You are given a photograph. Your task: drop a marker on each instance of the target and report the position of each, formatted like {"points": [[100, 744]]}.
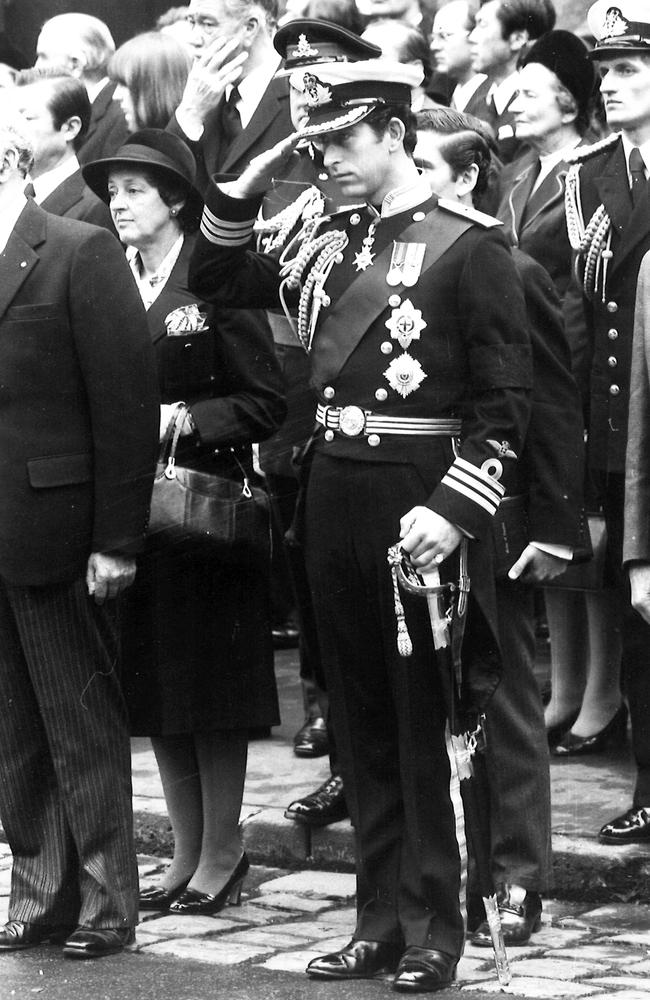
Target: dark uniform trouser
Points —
{"points": [[635, 636], [387, 711], [65, 768], [515, 763]]}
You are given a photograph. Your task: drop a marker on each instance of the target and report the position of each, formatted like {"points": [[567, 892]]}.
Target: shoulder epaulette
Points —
{"points": [[469, 213], [583, 153]]}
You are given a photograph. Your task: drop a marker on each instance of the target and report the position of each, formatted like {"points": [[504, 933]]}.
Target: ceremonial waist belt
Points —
{"points": [[353, 421]]}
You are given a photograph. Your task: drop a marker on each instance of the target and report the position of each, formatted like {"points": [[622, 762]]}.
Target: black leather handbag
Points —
{"points": [[201, 512]]}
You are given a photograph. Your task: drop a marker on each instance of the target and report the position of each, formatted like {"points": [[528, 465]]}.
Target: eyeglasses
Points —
{"points": [[203, 23]]}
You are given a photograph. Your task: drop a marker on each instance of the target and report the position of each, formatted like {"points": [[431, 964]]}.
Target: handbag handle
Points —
{"points": [[170, 444], [170, 441]]}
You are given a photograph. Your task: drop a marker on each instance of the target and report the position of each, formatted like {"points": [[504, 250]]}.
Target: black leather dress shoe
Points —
{"points": [[633, 827], [16, 935], [97, 942], [521, 916], [326, 805], [424, 970], [312, 740], [154, 897], [358, 960]]}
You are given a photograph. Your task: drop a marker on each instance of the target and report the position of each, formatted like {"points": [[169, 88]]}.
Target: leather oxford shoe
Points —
{"points": [[358, 960], [326, 805], [521, 916], [17, 935], [633, 827], [424, 970], [311, 740], [97, 942]]}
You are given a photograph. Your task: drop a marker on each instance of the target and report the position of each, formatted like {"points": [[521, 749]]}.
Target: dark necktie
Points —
{"points": [[637, 173], [230, 118]]}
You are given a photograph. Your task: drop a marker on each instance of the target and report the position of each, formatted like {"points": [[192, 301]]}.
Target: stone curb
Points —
{"points": [[584, 870]]}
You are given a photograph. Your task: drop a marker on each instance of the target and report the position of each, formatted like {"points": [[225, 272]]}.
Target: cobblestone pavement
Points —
{"points": [[287, 919]]}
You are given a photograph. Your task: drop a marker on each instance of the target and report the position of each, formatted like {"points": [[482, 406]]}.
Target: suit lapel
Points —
{"points": [[99, 108], [19, 258], [366, 296], [171, 295], [518, 199], [549, 193], [67, 194], [265, 114]]}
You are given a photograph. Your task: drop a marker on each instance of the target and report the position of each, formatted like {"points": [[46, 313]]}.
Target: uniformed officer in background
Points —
{"points": [[608, 220], [422, 376]]}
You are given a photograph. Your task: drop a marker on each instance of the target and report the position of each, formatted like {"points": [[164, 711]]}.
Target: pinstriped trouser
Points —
{"points": [[65, 770]]}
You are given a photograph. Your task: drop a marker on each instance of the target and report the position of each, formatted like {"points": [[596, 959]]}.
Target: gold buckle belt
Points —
{"points": [[353, 421]]}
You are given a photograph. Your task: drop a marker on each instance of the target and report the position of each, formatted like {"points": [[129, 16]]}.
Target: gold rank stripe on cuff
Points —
{"points": [[224, 233], [474, 484]]}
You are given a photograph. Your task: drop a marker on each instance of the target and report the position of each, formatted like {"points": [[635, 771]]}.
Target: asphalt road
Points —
{"points": [[43, 974]]}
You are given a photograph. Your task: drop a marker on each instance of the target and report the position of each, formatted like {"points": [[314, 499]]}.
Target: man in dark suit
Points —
{"points": [[83, 45], [453, 57], [502, 30], [57, 108], [608, 218], [78, 444], [234, 106]]}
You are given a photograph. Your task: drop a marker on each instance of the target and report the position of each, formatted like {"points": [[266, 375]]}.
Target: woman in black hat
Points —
{"points": [[198, 669], [552, 114]]}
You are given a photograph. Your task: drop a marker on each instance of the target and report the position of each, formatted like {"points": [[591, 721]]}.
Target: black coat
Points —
{"points": [[74, 200], [197, 646]]}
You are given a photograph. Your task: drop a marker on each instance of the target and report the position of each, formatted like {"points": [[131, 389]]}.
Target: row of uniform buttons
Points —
{"points": [[612, 307], [381, 394]]}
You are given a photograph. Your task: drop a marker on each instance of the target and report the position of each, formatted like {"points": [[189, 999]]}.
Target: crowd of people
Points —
{"points": [[389, 263]]}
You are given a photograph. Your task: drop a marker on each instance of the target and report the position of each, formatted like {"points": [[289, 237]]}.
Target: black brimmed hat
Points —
{"points": [[310, 41], [564, 54], [151, 147], [619, 26], [343, 94]]}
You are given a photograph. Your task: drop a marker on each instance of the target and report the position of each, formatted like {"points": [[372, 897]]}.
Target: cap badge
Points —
{"points": [[615, 24], [405, 375], [304, 48], [317, 93], [406, 324]]}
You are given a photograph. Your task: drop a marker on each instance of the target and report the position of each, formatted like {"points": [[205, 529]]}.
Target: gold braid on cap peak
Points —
{"points": [[592, 241]]}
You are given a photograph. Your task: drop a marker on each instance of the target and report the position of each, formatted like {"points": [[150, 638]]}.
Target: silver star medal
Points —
{"points": [[406, 324], [405, 375], [365, 258], [406, 264]]}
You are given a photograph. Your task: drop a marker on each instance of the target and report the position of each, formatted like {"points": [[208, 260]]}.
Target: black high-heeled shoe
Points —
{"points": [[554, 734], [191, 902], [155, 897], [614, 732]]}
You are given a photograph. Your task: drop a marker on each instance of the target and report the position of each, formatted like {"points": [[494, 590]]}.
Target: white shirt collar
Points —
{"points": [[550, 161], [9, 217], [51, 179], [150, 286], [95, 87], [463, 91], [252, 87], [502, 93], [644, 149], [400, 199]]}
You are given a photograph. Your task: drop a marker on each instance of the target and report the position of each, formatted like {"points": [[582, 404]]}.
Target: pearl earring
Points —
{"points": [[173, 212]]}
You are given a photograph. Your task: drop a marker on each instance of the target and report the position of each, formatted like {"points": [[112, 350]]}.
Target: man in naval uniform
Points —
{"points": [[608, 220], [422, 376]]}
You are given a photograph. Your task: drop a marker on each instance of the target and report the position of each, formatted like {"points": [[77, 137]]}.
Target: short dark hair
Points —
{"points": [[345, 13], [462, 144], [67, 98], [154, 67], [534, 16], [410, 43], [379, 119]]}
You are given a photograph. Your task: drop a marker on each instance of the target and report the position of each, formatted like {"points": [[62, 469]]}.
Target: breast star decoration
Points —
{"points": [[406, 324], [405, 374]]}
